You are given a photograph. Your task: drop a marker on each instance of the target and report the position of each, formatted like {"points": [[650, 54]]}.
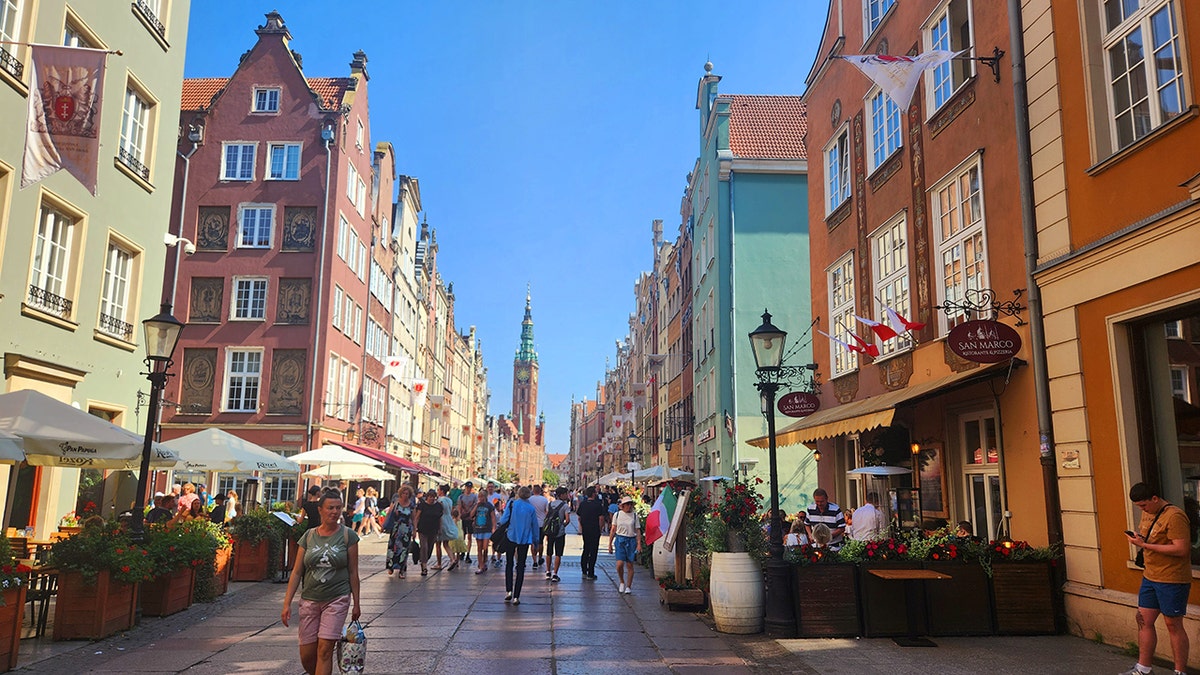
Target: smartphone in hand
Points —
{"points": [[1132, 533]]}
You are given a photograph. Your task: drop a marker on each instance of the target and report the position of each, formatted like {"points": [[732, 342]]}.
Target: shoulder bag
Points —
{"points": [[1140, 560]]}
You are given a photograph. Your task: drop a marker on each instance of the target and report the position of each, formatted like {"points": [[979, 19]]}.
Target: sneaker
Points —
{"points": [[621, 588], [1135, 671], [628, 590], [548, 574], [555, 578], [508, 598], [516, 601]]}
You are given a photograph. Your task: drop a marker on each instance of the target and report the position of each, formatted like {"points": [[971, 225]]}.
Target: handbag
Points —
{"points": [[414, 549], [1140, 559], [500, 541], [352, 649]]}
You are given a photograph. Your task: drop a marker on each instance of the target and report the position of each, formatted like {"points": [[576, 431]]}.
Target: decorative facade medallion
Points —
{"points": [[295, 297], [212, 228], [299, 228], [883, 47], [845, 388], [895, 372], [287, 381], [835, 113], [208, 299], [198, 379]]}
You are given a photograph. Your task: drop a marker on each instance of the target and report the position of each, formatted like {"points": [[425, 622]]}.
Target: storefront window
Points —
{"points": [[981, 464]]}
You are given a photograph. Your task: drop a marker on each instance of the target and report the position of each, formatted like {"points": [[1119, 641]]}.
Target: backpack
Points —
{"points": [[553, 527]]}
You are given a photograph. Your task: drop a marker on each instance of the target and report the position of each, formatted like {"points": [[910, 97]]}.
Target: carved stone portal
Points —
{"points": [[208, 297], [299, 228]]}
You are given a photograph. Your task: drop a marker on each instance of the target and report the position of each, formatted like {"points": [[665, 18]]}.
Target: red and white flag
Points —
{"points": [[883, 332], [847, 345], [898, 76], [899, 323], [419, 390], [865, 347], [394, 366], [66, 94], [729, 424], [626, 405]]}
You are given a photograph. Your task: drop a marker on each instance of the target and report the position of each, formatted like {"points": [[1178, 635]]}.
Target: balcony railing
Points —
{"points": [[151, 17], [10, 64], [116, 327], [55, 304], [127, 158]]}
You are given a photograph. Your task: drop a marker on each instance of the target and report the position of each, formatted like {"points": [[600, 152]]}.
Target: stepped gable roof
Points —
{"points": [[555, 460], [198, 92], [767, 127]]}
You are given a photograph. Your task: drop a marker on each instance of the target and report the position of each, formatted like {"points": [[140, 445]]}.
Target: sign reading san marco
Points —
{"points": [[984, 341]]}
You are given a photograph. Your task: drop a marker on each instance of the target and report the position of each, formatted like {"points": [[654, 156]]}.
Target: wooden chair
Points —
{"points": [[20, 546], [43, 585]]}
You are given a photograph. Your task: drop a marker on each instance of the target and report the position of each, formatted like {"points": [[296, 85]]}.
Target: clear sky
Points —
{"points": [[546, 137]]}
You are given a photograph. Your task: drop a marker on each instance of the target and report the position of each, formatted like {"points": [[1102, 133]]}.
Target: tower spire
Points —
{"points": [[526, 352]]}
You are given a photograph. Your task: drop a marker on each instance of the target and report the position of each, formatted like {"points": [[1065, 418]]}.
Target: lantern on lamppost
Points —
{"points": [[162, 333]]}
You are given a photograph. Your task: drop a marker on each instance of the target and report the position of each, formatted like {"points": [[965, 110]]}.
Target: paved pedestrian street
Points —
{"points": [[457, 622]]}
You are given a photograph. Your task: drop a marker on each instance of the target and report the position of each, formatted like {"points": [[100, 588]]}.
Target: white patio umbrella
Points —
{"points": [[342, 471], [661, 473], [713, 479], [610, 479], [53, 433], [218, 450], [881, 470], [328, 454], [12, 449]]}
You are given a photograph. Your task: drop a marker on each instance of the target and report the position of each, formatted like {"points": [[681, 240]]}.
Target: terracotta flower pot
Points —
{"points": [[92, 611], [169, 593]]}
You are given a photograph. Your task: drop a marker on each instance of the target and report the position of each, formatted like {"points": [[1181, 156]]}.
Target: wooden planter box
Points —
{"points": [[91, 612], [12, 614], [827, 600], [219, 583], [682, 599], [1024, 598], [884, 605], [169, 593], [249, 561], [961, 605]]}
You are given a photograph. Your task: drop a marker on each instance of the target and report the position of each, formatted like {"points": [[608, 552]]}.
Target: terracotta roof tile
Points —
{"points": [[555, 460], [767, 127], [198, 92]]}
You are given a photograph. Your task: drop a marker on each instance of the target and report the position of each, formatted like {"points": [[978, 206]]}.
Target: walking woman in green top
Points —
{"points": [[327, 562]]}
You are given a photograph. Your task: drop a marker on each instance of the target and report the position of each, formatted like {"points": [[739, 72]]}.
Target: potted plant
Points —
{"points": [[99, 572], [212, 575], [257, 541], [826, 592], [14, 579], [1023, 587], [738, 545], [71, 523], [177, 549], [680, 596]]}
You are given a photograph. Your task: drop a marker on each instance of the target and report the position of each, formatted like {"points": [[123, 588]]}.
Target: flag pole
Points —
{"points": [[118, 52]]}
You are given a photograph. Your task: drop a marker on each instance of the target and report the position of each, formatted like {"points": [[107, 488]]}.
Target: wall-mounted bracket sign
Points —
{"points": [[984, 341], [981, 303], [799, 404]]}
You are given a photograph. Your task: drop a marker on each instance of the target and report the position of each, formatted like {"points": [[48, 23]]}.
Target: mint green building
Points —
{"points": [[747, 207]]}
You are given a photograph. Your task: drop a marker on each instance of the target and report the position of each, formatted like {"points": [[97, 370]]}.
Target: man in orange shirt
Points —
{"points": [[1164, 536]]}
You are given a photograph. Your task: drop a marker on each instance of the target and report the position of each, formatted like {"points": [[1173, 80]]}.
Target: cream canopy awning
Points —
{"points": [[875, 411]]}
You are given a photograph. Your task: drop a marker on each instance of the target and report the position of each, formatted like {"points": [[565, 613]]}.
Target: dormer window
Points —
{"points": [[266, 100]]}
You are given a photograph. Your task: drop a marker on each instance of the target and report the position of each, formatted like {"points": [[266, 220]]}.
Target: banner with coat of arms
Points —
{"points": [[66, 94]]}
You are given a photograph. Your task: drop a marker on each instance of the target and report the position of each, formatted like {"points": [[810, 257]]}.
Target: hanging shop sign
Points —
{"points": [[799, 404], [984, 341], [706, 434]]}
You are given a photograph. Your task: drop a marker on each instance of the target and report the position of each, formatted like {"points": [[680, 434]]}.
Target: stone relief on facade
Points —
{"points": [[895, 372], [299, 228], [845, 388], [287, 381], [198, 379], [212, 228], [208, 298], [294, 301]]}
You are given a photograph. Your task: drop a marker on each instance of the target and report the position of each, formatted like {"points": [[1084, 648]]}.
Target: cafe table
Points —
{"points": [[912, 598]]}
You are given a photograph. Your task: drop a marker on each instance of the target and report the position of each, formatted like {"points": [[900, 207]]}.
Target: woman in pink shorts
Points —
{"points": [[327, 561]]}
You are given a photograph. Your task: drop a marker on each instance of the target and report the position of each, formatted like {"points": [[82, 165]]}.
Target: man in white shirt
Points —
{"points": [[540, 506], [868, 521]]}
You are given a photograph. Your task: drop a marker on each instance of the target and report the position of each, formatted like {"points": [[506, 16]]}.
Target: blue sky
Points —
{"points": [[546, 137]]}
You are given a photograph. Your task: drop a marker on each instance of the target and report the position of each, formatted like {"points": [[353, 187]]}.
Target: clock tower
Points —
{"points": [[525, 378]]}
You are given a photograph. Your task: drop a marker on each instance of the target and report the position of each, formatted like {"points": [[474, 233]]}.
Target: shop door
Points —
{"points": [[981, 468]]}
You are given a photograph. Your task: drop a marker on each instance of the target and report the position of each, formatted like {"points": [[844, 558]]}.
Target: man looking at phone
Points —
{"points": [[1164, 537]]}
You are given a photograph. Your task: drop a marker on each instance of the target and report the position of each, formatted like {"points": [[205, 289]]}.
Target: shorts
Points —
{"points": [[626, 548], [357, 518], [556, 545], [482, 536], [468, 526], [324, 620], [1170, 599]]}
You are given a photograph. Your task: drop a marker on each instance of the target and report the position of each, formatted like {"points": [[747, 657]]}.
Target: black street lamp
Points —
{"points": [[162, 334], [634, 456], [767, 342]]}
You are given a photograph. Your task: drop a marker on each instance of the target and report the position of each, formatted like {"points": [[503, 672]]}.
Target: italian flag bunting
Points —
{"points": [[660, 516]]}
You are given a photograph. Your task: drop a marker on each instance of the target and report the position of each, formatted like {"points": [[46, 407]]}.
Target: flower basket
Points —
{"points": [[92, 611], [169, 593], [682, 599], [12, 614], [1024, 598], [826, 600], [70, 530], [962, 604], [249, 560], [884, 602]]}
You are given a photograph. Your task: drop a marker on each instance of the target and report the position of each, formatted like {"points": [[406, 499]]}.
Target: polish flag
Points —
{"points": [[659, 519], [854, 348], [866, 347], [883, 332], [899, 323]]}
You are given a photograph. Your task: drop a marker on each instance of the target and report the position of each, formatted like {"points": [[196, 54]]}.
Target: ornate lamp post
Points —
{"points": [[767, 343], [634, 456], [162, 334]]}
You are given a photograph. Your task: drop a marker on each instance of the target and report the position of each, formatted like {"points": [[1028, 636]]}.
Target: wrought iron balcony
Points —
{"points": [[44, 299], [132, 162], [10, 63], [151, 17], [116, 327]]}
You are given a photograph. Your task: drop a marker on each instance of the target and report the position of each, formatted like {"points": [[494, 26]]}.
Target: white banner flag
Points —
{"points": [[419, 390], [66, 89], [394, 366], [898, 76]]}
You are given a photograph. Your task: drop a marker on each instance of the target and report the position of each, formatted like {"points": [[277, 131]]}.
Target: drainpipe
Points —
{"points": [[737, 453], [194, 135], [327, 137], [1037, 331]]}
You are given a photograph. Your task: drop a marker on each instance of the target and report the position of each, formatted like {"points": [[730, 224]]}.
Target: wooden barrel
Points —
{"points": [[736, 593]]}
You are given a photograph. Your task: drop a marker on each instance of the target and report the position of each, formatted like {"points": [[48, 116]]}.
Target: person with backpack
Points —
{"points": [[540, 505], [483, 523], [467, 503], [558, 516]]}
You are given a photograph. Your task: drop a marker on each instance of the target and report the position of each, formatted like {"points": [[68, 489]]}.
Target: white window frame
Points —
{"points": [[347, 315], [11, 25], [241, 169], [135, 124], [352, 394], [336, 318], [1155, 114], [74, 33], [838, 170], [257, 238], [343, 242], [356, 330], [873, 13], [1173, 329], [287, 171], [343, 383], [1182, 392], [889, 260], [361, 263], [253, 306], [940, 82], [243, 378], [52, 266], [885, 132], [119, 262], [359, 135], [840, 280], [952, 246], [262, 95]]}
